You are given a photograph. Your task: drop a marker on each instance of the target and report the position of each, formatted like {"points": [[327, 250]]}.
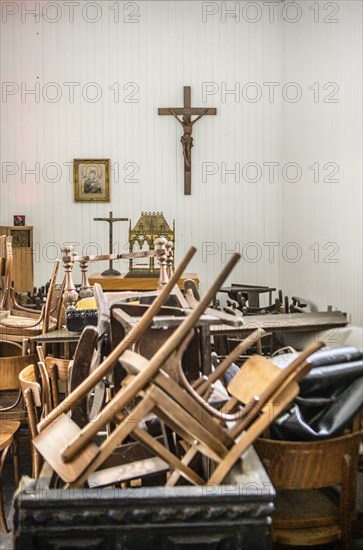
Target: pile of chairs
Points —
{"points": [[184, 432], [156, 385]]}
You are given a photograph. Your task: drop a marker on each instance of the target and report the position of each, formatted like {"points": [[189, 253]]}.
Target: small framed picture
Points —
{"points": [[91, 180], [19, 220]]}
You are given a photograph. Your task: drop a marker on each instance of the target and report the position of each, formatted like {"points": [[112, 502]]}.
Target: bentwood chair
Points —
{"points": [[309, 510]]}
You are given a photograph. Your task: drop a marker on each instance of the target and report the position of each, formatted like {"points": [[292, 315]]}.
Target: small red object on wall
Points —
{"points": [[19, 220]]}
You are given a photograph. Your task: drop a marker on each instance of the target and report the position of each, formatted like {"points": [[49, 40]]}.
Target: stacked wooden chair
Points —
{"points": [[11, 411], [259, 393], [17, 322]]}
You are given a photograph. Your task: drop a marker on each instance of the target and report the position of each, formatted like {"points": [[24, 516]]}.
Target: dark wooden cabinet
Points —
{"points": [[23, 273]]}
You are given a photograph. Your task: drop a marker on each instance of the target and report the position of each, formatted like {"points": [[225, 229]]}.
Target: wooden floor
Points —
{"points": [[6, 542]]}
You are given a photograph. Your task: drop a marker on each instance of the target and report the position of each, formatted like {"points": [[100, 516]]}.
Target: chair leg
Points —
{"points": [[15, 453], [36, 463], [3, 524]]}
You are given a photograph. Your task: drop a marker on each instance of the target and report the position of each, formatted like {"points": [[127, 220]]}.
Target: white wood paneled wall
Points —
{"points": [[148, 51], [324, 131]]}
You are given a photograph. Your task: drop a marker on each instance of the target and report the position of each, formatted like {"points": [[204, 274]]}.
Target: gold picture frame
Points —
{"points": [[91, 180]]}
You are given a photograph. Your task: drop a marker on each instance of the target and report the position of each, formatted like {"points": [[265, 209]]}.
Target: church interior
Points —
{"points": [[181, 327]]}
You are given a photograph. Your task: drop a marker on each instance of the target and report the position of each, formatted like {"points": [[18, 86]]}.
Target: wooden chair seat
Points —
{"points": [[17, 320], [16, 413], [8, 429], [324, 535], [305, 509]]}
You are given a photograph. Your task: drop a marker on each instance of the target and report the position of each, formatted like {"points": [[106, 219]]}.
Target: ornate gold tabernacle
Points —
{"points": [[150, 226]]}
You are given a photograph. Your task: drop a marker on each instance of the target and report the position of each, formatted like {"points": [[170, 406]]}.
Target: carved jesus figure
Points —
{"points": [[186, 139]]}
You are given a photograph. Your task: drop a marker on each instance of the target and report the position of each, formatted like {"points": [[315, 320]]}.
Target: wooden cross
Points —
{"points": [[186, 121], [111, 221]]}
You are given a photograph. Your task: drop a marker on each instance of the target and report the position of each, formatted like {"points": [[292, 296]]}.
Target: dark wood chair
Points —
{"points": [[309, 510]]}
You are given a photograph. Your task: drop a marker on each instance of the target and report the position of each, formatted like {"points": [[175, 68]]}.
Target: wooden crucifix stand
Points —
{"points": [[186, 121], [111, 221]]}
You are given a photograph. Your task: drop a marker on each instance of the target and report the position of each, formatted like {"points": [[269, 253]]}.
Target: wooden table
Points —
{"points": [[287, 329], [121, 282], [285, 322]]}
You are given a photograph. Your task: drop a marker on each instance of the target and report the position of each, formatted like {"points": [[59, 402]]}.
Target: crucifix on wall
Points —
{"points": [[185, 113]]}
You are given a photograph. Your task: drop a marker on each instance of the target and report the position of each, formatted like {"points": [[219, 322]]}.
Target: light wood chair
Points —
{"points": [[11, 410], [200, 430], [39, 387], [309, 512], [32, 396], [54, 373]]}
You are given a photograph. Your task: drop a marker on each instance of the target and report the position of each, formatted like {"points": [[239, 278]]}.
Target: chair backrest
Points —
{"points": [[301, 466], [252, 379], [28, 380], [60, 364], [6, 270], [2, 255], [10, 349], [312, 464], [31, 392], [11, 367], [57, 371], [49, 300]]}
